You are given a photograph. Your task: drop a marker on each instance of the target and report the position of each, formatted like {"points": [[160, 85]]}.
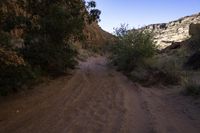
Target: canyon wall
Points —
{"points": [[174, 31]]}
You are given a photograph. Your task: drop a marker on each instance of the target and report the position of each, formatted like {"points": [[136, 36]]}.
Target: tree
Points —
{"points": [[132, 47], [57, 23], [50, 28], [94, 14]]}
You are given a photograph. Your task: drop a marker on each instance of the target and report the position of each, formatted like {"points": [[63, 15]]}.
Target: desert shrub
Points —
{"points": [[193, 61], [191, 86], [169, 68], [49, 30], [165, 68], [5, 40], [14, 72], [60, 24], [193, 90], [132, 48], [190, 83], [148, 76], [51, 59], [140, 74], [49, 47]]}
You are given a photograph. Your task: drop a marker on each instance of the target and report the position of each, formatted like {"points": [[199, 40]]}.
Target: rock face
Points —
{"points": [[95, 35], [194, 30], [193, 61], [175, 31]]}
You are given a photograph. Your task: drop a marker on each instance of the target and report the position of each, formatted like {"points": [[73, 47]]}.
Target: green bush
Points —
{"points": [[49, 47], [14, 72], [51, 58], [193, 90], [169, 67], [5, 40], [191, 84], [132, 48], [49, 30]]}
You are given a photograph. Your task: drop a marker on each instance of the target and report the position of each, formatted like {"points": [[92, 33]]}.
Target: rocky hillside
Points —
{"points": [[175, 31], [95, 35]]}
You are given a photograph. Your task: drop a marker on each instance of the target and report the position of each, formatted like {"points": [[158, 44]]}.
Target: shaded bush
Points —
{"points": [[5, 40], [190, 83], [13, 72], [61, 23], [149, 76], [192, 90], [52, 59], [48, 30], [132, 48]]}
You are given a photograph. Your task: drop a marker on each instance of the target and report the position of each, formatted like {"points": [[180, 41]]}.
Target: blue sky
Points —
{"points": [[138, 13]]}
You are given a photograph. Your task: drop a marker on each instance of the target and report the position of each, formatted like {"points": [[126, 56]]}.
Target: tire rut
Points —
{"points": [[96, 99]]}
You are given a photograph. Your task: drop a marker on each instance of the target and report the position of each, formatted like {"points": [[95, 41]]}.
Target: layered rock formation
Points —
{"points": [[175, 31]]}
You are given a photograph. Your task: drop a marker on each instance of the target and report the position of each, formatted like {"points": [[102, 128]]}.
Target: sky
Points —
{"points": [[138, 13]]}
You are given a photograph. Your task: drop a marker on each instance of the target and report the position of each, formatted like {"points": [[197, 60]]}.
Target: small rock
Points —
{"points": [[17, 111]]}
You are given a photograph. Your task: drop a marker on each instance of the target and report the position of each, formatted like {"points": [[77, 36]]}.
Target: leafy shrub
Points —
{"points": [[51, 58], [49, 47], [132, 48], [190, 83], [5, 40], [13, 71], [169, 67], [49, 30], [193, 61], [193, 90]]}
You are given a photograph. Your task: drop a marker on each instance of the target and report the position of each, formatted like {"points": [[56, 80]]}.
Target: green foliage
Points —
{"points": [[5, 40], [169, 66], [51, 58], [94, 14], [192, 90], [52, 51], [49, 29], [190, 83], [132, 48], [61, 23], [11, 21], [13, 72]]}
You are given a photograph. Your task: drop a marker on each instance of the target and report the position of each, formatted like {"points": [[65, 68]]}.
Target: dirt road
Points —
{"points": [[97, 99]]}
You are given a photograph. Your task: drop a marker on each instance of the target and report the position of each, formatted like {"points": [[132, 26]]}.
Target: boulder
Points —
{"points": [[194, 61], [174, 45], [194, 29]]}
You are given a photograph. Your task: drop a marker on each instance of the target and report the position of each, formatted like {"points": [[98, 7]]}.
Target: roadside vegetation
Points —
{"points": [[47, 31], [136, 55], [132, 48]]}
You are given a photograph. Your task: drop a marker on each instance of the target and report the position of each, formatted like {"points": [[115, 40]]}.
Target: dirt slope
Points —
{"points": [[97, 99]]}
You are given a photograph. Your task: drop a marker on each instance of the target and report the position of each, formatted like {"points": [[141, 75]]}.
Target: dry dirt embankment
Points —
{"points": [[97, 99]]}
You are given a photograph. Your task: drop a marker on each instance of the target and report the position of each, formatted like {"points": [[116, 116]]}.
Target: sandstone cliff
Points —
{"points": [[175, 31], [95, 35]]}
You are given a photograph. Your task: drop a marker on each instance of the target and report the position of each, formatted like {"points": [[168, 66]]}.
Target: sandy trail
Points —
{"points": [[97, 99]]}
